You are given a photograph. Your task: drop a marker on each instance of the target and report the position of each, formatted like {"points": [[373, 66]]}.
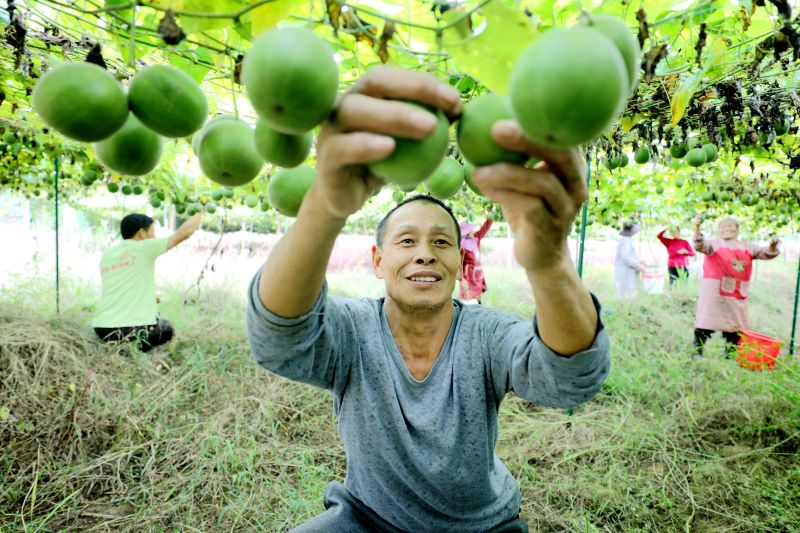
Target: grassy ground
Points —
{"points": [[198, 438]]}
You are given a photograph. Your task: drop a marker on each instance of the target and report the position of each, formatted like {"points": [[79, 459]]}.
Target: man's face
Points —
{"points": [[728, 229], [676, 233], [420, 261]]}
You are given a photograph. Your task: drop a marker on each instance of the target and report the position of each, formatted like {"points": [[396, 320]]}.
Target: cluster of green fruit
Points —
{"points": [[85, 102], [696, 154], [566, 89], [291, 78]]}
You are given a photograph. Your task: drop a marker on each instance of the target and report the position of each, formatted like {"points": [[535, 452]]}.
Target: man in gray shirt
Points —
{"points": [[417, 378]]}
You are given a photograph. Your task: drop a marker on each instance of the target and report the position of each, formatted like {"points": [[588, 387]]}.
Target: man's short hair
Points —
{"points": [[381, 229], [132, 223]]}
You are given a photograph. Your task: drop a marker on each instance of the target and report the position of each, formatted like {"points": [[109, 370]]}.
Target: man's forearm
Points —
{"points": [[294, 273], [565, 313], [190, 225]]}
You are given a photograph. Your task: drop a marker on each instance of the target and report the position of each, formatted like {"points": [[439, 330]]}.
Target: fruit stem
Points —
{"points": [[233, 81], [132, 37]]}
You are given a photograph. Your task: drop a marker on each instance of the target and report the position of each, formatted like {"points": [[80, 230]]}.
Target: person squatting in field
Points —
{"points": [[417, 377], [128, 309], [725, 288]]}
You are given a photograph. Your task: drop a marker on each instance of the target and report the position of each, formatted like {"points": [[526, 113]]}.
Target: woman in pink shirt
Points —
{"points": [[679, 251], [722, 304], [473, 284]]}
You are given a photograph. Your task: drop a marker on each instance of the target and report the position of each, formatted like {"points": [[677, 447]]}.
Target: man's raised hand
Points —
{"points": [[361, 129], [539, 203]]}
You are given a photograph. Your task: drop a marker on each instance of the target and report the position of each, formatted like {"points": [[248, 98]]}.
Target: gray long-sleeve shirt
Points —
{"points": [[421, 453]]}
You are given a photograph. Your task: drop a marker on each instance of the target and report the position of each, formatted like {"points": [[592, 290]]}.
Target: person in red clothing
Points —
{"points": [[473, 284], [679, 251]]}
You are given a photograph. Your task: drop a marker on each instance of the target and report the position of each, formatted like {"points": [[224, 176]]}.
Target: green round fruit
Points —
{"points": [[251, 201], [446, 180], [227, 193], [112, 187], [679, 182], [408, 188], [474, 133], [711, 152], [621, 35], [642, 155], [397, 196], [725, 196], [413, 161], [678, 150], [568, 86], [133, 150], [613, 161], [468, 168], [90, 175], [624, 161], [86, 182], [81, 101], [696, 157], [167, 100], [707, 196], [660, 189], [291, 79], [228, 153], [161, 195], [138, 189], [127, 190], [282, 149], [216, 195], [180, 209], [287, 188], [155, 202], [264, 206], [197, 138], [210, 208]]}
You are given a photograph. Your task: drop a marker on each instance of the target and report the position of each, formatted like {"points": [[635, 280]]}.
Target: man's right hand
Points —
{"points": [[361, 129]]}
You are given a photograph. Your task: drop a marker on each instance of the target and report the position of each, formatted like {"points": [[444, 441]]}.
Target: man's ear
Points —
{"points": [[377, 257]]}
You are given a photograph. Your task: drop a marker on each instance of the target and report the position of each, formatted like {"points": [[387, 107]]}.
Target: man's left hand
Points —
{"points": [[773, 243], [539, 203]]}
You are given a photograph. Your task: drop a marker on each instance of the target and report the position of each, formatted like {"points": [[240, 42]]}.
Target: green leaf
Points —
{"points": [[267, 16], [197, 24], [196, 70], [683, 95], [5, 413], [489, 55]]}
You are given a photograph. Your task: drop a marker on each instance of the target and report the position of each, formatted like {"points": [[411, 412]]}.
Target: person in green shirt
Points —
{"points": [[127, 310]]}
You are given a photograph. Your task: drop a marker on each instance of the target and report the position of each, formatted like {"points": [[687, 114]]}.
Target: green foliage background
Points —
{"points": [[723, 72]]}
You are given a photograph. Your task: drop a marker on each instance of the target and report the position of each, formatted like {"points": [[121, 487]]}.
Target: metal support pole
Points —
{"points": [[58, 284], [794, 313], [584, 210]]}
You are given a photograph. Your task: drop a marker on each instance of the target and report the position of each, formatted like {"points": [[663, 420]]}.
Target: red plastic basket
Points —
{"points": [[757, 351]]}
